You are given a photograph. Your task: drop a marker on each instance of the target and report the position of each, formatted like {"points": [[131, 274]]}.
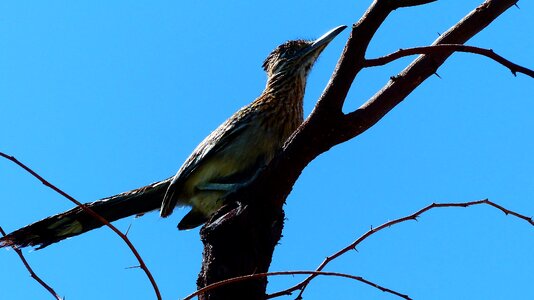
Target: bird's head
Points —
{"points": [[298, 56]]}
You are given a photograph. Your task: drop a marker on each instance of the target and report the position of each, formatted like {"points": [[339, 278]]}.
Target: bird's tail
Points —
{"points": [[76, 221]]}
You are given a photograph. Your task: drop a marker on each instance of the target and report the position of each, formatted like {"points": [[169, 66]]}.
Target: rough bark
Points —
{"points": [[238, 243]]}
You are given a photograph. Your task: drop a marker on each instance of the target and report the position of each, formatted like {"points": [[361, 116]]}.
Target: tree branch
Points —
{"points": [[397, 89], [351, 61], [315, 273], [302, 285], [408, 3], [250, 225], [91, 212], [30, 270], [514, 68]]}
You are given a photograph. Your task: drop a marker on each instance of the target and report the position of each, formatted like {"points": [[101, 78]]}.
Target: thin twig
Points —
{"points": [[30, 270], [315, 273], [302, 285], [408, 3], [91, 212], [514, 68]]}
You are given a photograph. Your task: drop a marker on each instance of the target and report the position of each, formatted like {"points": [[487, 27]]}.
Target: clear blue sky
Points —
{"points": [[102, 97]]}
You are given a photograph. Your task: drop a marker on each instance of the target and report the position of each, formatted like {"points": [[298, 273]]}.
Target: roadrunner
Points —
{"points": [[226, 159]]}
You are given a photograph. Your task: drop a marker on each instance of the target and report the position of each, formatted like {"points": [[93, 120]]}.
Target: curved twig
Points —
{"points": [[303, 284], [30, 270], [142, 264], [514, 68], [314, 273]]}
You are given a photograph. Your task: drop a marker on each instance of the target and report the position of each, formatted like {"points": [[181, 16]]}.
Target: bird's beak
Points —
{"points": [[319, 44]]}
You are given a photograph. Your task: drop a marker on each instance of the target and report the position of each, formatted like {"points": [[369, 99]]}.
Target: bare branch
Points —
{"points": [[408, 3], [315, 273], [423, 67], [30, 270], [351, 61], [302, 285], [514, 68], [93, 214]]}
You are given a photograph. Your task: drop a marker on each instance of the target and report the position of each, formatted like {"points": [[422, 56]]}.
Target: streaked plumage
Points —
{"points": [[232, 154]]}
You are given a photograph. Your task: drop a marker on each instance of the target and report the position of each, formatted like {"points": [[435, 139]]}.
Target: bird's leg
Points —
{"points": [[216, 187]]}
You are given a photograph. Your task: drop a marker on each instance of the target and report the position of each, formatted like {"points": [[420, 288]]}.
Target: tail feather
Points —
{"points": [[75, 221]]}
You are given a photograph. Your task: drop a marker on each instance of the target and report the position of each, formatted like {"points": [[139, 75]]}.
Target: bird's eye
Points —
{"points": [[288, 53]]}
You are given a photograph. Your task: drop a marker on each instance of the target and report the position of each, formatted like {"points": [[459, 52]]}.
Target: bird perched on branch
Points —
{"points": [[225, 160]]}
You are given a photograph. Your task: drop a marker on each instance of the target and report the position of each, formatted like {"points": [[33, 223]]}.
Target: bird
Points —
{"points": [[228, 158]]}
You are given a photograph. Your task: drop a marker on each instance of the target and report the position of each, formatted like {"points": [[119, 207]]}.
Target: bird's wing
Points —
{"points": [[224, 135], [210, 146]]}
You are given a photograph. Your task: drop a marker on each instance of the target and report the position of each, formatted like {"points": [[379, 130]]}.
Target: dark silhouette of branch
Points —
{"points": [[30, 270], [514, 68], [315, 273], [408, 3], [302, 285], [142, 264], [240, 238], [400, 86]]}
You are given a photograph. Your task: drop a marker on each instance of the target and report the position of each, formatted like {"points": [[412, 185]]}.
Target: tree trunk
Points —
{"points": [[239, 241]]}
